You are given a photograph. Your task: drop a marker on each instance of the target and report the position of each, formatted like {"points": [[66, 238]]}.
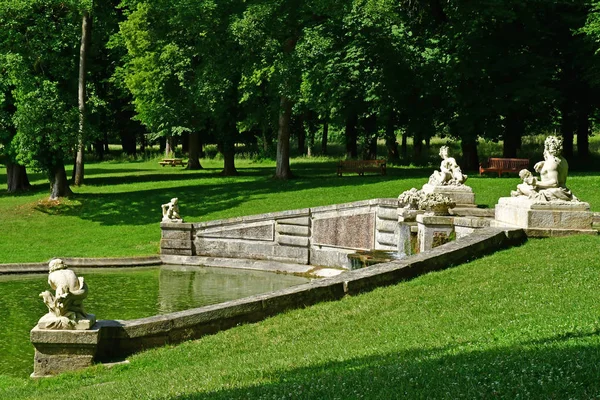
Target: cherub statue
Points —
{"points": [[65, 307], [529, 182], [551, 185], [449, 173], [170, 211]]}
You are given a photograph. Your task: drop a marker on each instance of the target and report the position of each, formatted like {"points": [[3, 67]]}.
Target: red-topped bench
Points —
{"points": [[361, 166], [501, 165]]}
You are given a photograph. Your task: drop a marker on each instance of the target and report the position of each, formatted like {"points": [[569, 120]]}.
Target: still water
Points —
{"points": [[122, 294]]}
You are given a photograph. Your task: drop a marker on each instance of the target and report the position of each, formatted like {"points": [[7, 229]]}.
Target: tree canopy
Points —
{"points": [[268, 71]]}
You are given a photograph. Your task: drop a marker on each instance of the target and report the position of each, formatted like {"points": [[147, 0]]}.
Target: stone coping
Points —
{"points": [[524, 202], [302, 212], [112, 262], [238, 263], [118, 339]]}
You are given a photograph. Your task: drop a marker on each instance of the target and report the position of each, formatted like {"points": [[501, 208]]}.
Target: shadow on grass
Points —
{"points": [[556, 370], [143, 206]]}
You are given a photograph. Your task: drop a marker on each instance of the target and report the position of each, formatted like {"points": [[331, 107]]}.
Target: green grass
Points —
{"points": [[117, 211], [521, 323]]}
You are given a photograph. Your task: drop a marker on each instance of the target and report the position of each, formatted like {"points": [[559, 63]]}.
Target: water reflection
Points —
{"points": [[183, 287], [122, 293]]}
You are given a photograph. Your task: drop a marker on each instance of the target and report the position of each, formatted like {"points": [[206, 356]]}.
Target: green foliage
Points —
{"points": [[39, 56]]}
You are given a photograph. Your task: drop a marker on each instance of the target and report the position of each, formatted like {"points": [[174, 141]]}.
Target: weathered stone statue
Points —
{"points": [[431, 203], [551, 185], [65, 307], [544, 206], [449, 181], [449, 173], [170, 211]]}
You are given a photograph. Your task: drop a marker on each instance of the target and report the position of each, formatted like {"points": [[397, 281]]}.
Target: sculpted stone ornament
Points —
{"points": [[410, 199], [170, 211], [65, 307], [449, 173], [430, 203], [551, 185]]}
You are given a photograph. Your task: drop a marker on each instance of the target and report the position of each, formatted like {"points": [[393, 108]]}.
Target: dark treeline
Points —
{"points": [[76, 74]]}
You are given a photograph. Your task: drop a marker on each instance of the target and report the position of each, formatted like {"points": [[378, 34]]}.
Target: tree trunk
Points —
{"points": [[143, 143], [310, 127], [106, 149], [185, 143], [195, 147], [16, 178], [583, 132], [513, 131], [59, 185], [229, 160], [282, 170], [128, 142], [567, 129], [99, 149], [390, 139], [351, 135], [370, 126], [324, 138], [85, 39], [169, 147], [230, 133], [404, 145], [470, 157], [301, 134], [417, 145]]}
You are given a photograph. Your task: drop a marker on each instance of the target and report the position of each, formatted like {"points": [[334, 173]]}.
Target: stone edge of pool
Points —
{"points": [[60, 351], [309, 271]]}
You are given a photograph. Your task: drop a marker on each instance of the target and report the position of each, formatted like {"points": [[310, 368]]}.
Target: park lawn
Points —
{"points": [[521, 323], [117, 211]]}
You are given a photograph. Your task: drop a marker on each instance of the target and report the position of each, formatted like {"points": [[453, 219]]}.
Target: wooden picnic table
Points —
{"points": [[172, 162]]}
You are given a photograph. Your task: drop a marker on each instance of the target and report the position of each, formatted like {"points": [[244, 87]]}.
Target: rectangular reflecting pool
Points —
{"points": [[123, 294]]}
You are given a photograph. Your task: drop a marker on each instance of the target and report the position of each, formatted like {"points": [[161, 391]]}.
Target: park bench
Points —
{"points": [[361, 166], [172, 162], [501, 165]]}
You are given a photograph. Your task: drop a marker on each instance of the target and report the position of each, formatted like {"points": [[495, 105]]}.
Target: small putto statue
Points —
{"points": [[170, 211], [551, 185], [65, 307], [449, 173]]}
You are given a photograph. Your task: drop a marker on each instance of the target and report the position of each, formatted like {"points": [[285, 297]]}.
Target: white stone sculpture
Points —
{"points": [[410, 199], [551, 185], [65, 307], [449, 173], [434, 203], [170, 211]]}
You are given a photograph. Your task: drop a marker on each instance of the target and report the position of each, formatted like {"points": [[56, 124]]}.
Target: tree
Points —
{"points": [[38, 52], [86, 27]]}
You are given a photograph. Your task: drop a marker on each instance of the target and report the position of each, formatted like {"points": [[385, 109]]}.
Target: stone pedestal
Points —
{"points": [[462, 195], [58, 351], [553, 218], [434, 230]]}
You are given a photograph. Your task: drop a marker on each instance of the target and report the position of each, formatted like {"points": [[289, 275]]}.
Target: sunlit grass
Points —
{"points": [[117, 211], [522, 323]]}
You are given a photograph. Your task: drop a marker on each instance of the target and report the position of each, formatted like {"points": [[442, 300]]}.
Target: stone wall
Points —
{"points": [[315, 236], [321, 236], [59, 351]]}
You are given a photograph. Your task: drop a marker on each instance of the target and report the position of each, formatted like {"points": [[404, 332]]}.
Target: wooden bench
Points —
{"points": [[501, 165], [172, 162], [361, 166]]}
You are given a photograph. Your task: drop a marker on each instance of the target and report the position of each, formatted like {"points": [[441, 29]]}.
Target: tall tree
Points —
{"points": [[39, 63], [86, 28]]}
